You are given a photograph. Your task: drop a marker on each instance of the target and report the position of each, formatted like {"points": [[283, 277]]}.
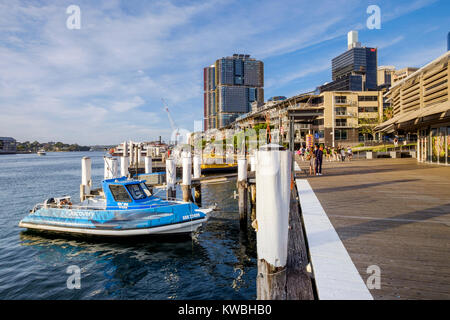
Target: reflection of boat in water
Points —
{"points": [[41, 152], [126, 208]]}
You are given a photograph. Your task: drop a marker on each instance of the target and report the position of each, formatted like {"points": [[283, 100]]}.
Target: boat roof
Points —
{"points": [[122, 180]]}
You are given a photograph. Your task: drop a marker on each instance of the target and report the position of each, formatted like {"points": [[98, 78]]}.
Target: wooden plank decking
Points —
{"points": [[393, 213]]}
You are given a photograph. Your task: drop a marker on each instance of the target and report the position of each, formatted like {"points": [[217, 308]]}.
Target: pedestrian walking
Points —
{"points": [[342, 154], [318, 152], [310, 157], [350, 153]]}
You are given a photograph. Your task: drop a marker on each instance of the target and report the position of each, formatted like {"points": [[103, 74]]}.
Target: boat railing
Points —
{"points": [[69, 206], [92, 207]]}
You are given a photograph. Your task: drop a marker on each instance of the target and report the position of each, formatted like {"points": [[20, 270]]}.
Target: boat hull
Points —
{"points": [[158, 219], [178, 228]]}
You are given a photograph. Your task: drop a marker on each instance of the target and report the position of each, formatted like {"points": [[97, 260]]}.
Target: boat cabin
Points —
{"points": [[123, 193]]}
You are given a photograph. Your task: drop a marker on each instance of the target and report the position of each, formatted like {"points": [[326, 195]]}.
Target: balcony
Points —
{"points": [[345, 114], [345, 103]]}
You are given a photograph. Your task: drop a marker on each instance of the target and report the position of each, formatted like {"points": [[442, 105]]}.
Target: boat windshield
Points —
{"points": [[144, 187], [136, 192], [119, 193]]}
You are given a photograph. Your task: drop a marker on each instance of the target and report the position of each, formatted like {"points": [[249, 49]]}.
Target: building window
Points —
{"points": [[341, 111], [434, 145], [367, 121], [341, 122], [441, 144], [367, 98], [448, 145], [367, 109], [340, 99], [340, 134]]}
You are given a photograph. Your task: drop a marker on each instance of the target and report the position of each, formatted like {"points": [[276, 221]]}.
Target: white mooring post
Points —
{"points": [[131, 153], [197, 166], [139, 156], [253, 163], [171, 172], [124, 166], [242, 191], [86, 178], [148, 164], [111, 170], [187, 177], [124, 161], [273, 179]]}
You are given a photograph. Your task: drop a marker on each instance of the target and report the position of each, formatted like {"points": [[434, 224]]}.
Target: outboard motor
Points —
{"points": [[49, 202]]}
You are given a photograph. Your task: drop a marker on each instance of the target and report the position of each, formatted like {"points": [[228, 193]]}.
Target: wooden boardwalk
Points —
{"points": [[393, 213]]}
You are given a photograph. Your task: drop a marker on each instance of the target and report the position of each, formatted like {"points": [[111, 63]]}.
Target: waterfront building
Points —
{"points": [[355, 69], [384, 77], [332, 117], [421, 106], [401, 74], [231, 85], [8, 145]]}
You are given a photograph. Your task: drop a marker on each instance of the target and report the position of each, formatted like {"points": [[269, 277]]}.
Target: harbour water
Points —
{"points": [[219, 262]]}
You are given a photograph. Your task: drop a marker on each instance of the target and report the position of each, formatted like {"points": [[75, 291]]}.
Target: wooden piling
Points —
{"points": [[187, 178], [253, 201], [171, 178], [242, 191], [282, 253], [198, 194], [298, 281]]}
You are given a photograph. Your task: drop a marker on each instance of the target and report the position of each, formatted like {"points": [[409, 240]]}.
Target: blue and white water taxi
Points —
{"points": [[124, 208]]}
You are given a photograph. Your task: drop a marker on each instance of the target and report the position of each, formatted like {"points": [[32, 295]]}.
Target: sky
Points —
{"points": [[103, 83]]}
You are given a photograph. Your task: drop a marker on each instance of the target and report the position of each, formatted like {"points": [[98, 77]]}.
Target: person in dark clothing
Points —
{"points": [[318, 152]]}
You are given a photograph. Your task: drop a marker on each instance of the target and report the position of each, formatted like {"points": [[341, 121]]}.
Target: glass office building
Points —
{"points": [[354, 70], [230, 87]]}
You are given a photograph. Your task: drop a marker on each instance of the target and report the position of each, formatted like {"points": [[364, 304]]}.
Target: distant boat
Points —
{"points": [[41, 152]]}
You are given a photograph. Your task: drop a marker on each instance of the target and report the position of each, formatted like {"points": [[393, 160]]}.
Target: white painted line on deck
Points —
{"points": [[335, 274]]}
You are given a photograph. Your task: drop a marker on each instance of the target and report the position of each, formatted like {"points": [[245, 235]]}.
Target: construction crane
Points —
{"points": [[172, 123]]}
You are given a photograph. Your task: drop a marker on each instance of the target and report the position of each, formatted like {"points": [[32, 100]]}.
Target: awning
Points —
{"points": [[411, 116], [389, 125], [439, 108], [384, 125]]}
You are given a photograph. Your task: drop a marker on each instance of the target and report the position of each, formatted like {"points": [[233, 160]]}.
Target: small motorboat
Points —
{"points": [[41, 152], [124, 208]]}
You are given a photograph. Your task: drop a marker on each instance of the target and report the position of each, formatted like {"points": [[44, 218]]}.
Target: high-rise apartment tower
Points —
{"points": [[230, 87]]}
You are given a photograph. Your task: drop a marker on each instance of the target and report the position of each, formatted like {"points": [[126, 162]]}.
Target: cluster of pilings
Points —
{"points": [[267, 183]]}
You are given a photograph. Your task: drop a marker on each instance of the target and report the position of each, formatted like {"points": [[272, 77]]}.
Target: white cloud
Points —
{"points": [[106, 80], [123, 106]]}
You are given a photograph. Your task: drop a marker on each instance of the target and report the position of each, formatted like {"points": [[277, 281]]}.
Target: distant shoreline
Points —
{"points": [[35, 152]]}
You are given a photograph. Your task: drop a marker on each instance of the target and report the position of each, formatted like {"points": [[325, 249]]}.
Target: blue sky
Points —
{"points": [[103, 83]]}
